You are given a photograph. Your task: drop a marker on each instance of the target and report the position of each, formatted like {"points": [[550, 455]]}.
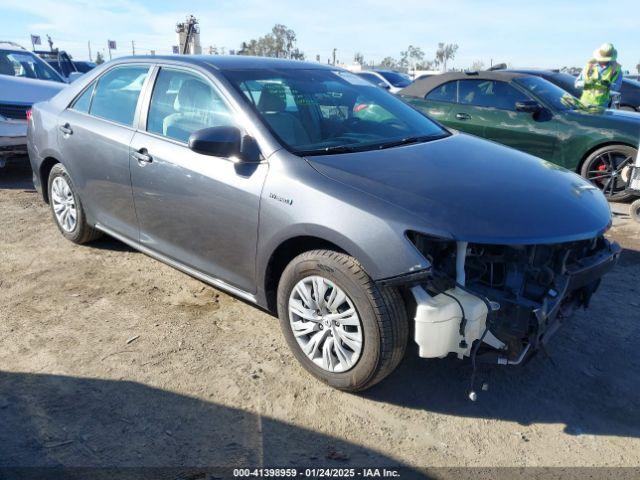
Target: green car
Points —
{"points": [[529, 113]]}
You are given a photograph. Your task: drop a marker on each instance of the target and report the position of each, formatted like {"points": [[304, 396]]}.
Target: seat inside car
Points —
{"points": [[272, 105], [194, 110]]}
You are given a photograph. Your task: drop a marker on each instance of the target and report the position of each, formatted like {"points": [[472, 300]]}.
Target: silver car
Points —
{"points": [[308, 191], [24, 80]]}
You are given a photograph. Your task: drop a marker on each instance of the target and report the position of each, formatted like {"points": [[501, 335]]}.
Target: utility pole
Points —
{"points": [[50, 42], [334, 55], [133, 47], [89, 46]]}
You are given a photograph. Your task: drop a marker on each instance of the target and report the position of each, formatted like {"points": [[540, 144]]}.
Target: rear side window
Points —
{"points": [[183, 103], [83, 102], [489, 93], [116, 94], [444, 93]]}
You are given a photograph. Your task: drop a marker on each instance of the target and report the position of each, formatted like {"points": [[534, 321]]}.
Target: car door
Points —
{"points": [[94, 136], [439, 102], [197, 210], [492, 107]]}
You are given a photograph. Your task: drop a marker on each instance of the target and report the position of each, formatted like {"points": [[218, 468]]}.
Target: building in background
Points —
{"points": [[189, 36]]}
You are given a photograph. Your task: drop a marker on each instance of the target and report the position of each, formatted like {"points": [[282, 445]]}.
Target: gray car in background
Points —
{"points": [[308, 191]]}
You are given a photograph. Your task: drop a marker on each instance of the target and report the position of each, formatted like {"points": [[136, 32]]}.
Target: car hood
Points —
{"points": [[27, 90], [609, 114], [470, 189]]}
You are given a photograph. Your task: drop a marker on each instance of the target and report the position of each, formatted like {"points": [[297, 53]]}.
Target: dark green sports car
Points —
{"points": [[529, 113]]}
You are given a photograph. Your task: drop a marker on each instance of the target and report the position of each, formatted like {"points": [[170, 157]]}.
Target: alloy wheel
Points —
{"points": [[610, 171], [325, 324], [64, 204]]}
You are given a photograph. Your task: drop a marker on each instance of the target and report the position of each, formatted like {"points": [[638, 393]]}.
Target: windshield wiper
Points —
{"points": [[329, 150], [405, 141], [368, 147]]}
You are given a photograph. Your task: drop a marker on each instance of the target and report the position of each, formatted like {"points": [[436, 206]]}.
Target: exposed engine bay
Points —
{"points": [[501, 303]]}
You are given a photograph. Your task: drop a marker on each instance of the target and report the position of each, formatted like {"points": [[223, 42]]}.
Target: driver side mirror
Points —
{"points": [[383, 85], [225, 142], [73, 76], [528, 106]]}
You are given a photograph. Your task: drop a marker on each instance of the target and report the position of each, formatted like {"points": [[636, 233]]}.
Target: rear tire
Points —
{"points": [[67, 209], [380, 312], [609, 169]]}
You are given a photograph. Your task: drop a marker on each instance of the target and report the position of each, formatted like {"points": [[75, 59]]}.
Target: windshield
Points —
{"points": [[317, 111], [566, 82], [396, 79], [26, 65], [550, 93]]}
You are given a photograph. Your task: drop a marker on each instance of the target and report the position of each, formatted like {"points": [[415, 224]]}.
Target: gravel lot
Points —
{"points": [[110, 358]]}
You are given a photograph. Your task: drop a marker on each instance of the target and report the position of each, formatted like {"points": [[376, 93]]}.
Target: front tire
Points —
{"points": [[609, 169], [342, 327], [67, 209]]}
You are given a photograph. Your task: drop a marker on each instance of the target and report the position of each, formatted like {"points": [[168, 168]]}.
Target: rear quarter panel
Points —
{"points": [[42, 140]]}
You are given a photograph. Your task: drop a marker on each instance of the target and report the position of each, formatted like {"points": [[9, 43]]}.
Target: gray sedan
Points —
{"points": [[308, 191]]}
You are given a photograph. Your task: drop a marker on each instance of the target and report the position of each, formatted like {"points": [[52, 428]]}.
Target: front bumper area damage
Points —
{"points": [[13, 140], [500, 304]]}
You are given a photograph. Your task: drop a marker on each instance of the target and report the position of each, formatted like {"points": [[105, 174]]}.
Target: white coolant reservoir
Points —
{"points": [[437, 322]]}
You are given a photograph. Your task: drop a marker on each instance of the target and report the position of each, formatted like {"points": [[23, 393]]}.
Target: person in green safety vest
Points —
{"points": [[600, 77]]}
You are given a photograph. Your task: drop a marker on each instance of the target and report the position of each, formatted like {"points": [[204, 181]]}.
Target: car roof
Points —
{"points": [[232, 62], [421, 86]]}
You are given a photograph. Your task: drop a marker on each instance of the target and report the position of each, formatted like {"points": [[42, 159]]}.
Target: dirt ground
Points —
{"points": [[110, 358]]}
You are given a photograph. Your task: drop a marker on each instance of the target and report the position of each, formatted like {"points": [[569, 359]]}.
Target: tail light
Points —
{"points": [[28, 115]]}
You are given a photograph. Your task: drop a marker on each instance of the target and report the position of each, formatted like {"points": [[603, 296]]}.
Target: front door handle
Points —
{"points": [[463, 116], [142, 156], [66, 129]]}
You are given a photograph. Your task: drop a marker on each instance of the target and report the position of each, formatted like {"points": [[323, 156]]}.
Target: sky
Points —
{"points": [[541, 33]]}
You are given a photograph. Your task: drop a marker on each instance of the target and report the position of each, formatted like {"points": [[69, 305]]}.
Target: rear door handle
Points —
{"points": [[142, 156], [66, 129], [463, 116]]}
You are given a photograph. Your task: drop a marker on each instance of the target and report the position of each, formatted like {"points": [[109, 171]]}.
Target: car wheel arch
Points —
{"points": [[282, 255], [45, 169], [598, 146]]}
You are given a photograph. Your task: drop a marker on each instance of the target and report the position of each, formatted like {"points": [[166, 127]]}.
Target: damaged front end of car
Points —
{"points": [[501, 303]]}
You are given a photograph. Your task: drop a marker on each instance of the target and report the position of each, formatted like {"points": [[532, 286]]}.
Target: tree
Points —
{"points": [[445, 52], [358, 58], [280, 43], [99, 58], [638, 67], [411, 57], [389, 63], [477, 66]]}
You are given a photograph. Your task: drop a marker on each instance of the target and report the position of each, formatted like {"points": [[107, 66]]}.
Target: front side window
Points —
{"points": [[550, 93], [320, 111], [26, 65], [117, 92], [489, 93], [182, 103], [444, 93]]}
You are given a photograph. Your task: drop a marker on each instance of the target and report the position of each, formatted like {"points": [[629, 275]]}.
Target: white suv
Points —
{"points": [[24, 80]]}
